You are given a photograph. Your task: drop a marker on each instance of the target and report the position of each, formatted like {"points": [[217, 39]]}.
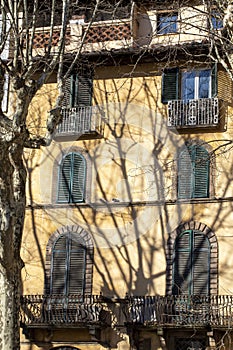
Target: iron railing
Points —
{"points": [[193, 113], [80, 120], [158, 311], [62, 310], [183, 310]]}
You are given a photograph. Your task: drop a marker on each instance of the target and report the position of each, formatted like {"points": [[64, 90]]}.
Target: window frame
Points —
{"points": [[193, 261], [168, 24], [171, 82], [67, 257], [189, 185], [65, 189]]}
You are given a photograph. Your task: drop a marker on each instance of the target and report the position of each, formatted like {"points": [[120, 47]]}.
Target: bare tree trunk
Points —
{"points": [[12, 206]]}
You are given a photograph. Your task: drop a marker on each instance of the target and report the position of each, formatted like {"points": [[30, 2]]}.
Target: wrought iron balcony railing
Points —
{"points": [[183, 311], [78, 121], [202, 112], [37, 310], [154, 311]]}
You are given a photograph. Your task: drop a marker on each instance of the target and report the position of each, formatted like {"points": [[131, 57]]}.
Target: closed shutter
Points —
{"points": [[78, 178], [59, 266], [191, 264], [72, 176], [77, 91], [64, 181], [200, 158], [200, 264], [68, 265], [214, 83], [77, 267], [185, 174], [170, 81], [182, 265]]}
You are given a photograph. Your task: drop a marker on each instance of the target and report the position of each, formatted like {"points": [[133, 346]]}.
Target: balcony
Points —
{"points": [[80, 123], [198, 113], [184, 311], [63, 311]]}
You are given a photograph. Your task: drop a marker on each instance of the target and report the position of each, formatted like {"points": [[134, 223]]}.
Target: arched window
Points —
{"points": [[72, 178], [191, 264], [193, 172], [68, 265]]}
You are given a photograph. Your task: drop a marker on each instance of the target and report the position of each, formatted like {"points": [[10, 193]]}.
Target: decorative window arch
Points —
{"points": [[193, 172], [69, 262], [192, 260], [72, 178]]}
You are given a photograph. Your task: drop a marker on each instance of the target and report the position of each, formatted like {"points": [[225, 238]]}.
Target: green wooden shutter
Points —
{"points": [[182, 265], [201, 252], [200, 161], [67, 98], [64, 181], [84, 94], [78, 178], [77, 266], [191, 264], [185, 174], [214, 82], [59, 266], [170, 84]]}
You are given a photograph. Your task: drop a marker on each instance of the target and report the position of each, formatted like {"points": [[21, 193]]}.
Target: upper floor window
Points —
{"points": [[216, 20], [189, 84], [78, 91], [72, 178], [195, 84], [167, 22], [193, 172]]}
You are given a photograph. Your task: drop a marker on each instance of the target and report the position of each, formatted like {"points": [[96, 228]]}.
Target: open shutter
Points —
{"points": [[201, 173], [77, 267], [185, 174], [59, 266], [67, 98], [64, 182], [214, 82], [84, 91], [182, 265], [200, 264], [170, 80], [78, 178]]}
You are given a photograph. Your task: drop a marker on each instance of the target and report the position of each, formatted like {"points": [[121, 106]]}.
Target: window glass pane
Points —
{"points": [[188, 85], [216, 20], [204, 84], [167, 23]]}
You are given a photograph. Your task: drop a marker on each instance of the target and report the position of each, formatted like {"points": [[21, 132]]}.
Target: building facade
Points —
{"points": [[128, 236]]}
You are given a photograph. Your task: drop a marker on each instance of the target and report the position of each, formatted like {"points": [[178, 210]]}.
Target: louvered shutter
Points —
{"points": [[201, 172], [59, 266], [64, 182], [185, 174], [84, 92], [200, 264], [182, 265], [191, 264], [170, 81], [78, 178], [77, 266], [214, 82], [68, 92]]}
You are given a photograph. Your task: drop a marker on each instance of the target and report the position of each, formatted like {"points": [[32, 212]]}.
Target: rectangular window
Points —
{"points": [[167, 23], [195, 84], [216, 20]]}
